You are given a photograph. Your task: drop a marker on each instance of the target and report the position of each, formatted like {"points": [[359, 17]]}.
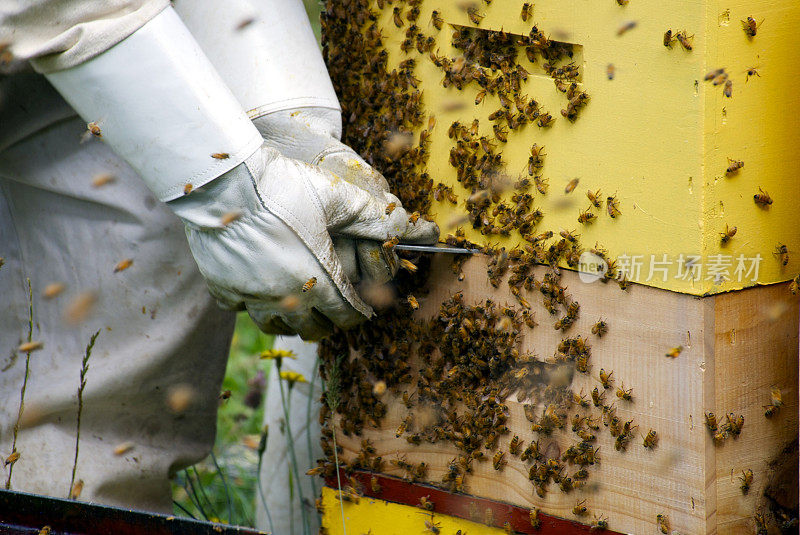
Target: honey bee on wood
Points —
{"points": [[500, 132], [515, 446], [606, 379], [663, 523], [586, 217], [669, 38], [594, 198], [750, 26], [600, 523], [734, 425], [437, 20], [474, 16], [544, 120], [600, 328], [597, 397], [612, 205], [747, 480], [752, 71], [684, 39], [580, 508], [728, 91], [782, 252], [733, 166], [624, 394], [727, 234], [794, 286], [499, 460], [527, 11], [309, 284], [571, 185], [762, 198], [397, 18], [650, 440], [402, 428], [433, 527], [711, 421], [220, 155]]}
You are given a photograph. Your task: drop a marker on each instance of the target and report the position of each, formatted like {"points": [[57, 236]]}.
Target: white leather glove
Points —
{"points": [[259, 224]]}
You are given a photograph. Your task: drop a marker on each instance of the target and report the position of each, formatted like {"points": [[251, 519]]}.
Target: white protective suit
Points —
{"points": [[182, 126]]}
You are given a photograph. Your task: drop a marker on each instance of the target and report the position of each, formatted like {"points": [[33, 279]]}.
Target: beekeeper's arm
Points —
{"points": [[259, 224]]}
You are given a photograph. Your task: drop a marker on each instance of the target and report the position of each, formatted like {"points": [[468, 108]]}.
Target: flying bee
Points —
{"points": [[594, 198], [782, 253], [684, 39], [668, 38], [674, 352], [626, 27], [762, 198], [750, 26], [527, 11], [605, 378], [309, 284], [712, 75], [663, 523], [728, 91], [571, 185], [600, 328], [586, 217], [733, 166], [776, 399], [610, 71], [122, 265], [612, 205], [747, 480], [752, 71], [727, 234], [580, 508], [220, 155], [474, 16], [624, 394], [720, 78], [651, 440]]}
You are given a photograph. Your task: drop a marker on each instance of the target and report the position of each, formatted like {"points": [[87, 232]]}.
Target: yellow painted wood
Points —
{"points": [[656, 136], [379, 517]]}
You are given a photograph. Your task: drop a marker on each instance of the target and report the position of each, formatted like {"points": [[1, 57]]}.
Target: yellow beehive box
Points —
{"points": [[653, 133]]}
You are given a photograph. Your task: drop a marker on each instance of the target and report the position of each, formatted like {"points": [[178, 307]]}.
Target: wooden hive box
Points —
{"points": [[657, 138]]}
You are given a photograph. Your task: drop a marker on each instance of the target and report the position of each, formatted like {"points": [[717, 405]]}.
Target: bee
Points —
{"points": [[389, 244], [599, 329], [94, 129], [479, 98], [571, 185], [733, 166], [515, 446], [626, 27], [412, 302], [720, 78], [782, 253], [776, 399], [488, 517], [580, 508], [76, 490], [794, 286], [610, 71], [390, 208], [403, 427], [544, 120], [11, 459], [684, 39], [586, 217], [437, 20], [220, 155], [728, 91], [122, 265], [600, 523], [103, 179], [762, 198], [663, 523], [594, 198], [536, 522], [612, 205], [541, 184], [750, 27], [598, 397], [605, 378], [752, 71], [747, 480], [398, 20], [734, 425], [309, 284], [727, 234], [507, 528], [229, 217], [474, 16], [761, 523], [500, 132], [713, 75], [675, 351], [426, 504], [527, 11], [668, 38], [499, 460], [651, 440], [624, 394], [433, 527]]}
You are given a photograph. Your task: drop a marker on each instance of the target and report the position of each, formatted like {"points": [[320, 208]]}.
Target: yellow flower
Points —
{"points": [[293, 377], [275, 354]]}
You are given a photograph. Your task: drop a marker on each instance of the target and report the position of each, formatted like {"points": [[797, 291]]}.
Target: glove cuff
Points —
{"points": [[158, 102]]}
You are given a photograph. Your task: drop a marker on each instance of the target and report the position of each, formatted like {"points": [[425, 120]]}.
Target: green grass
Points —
{"points": [[222, 487]]}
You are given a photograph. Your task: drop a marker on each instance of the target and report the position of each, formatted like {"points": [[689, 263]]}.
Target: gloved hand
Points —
{"points": [[285, 212], [311, 135], [259, 224]]}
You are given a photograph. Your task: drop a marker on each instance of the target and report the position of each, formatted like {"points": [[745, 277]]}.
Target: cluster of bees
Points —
{"points": [[454, 372]]}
